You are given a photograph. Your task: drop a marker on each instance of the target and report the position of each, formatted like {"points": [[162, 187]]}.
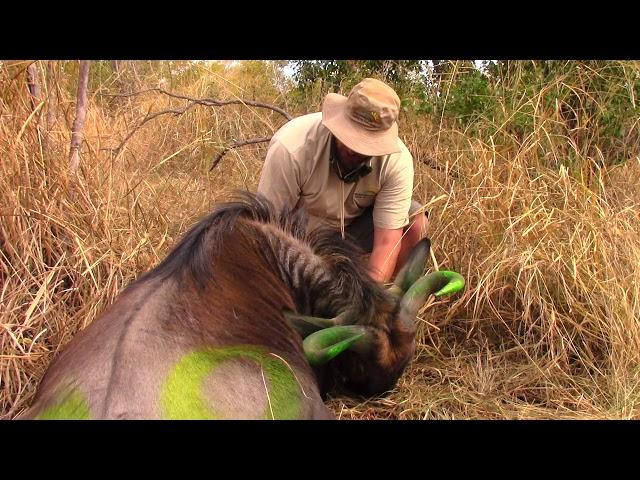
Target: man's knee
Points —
{"points": [[419, 225], [418, 222]]}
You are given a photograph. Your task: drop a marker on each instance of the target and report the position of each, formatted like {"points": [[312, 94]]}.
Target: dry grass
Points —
{"points": [[547, 327]]}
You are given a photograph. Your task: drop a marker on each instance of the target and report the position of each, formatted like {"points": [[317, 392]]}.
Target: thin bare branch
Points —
{"points": [[148, 117], [241, 143], [219, 103], [208, 102]]}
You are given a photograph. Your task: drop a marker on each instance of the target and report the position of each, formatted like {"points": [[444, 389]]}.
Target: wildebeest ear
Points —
{"points": [[414, 266], [305, 325], [322, 346]]}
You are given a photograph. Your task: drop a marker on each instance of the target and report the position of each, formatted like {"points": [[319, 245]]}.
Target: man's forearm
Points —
{"points": [[384, 256]]}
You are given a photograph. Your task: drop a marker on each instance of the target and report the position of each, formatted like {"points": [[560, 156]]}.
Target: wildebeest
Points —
{"points": [[234, 321]]}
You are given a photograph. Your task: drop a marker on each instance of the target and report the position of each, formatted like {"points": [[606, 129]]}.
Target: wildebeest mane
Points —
{"points": [[195, 254], [346, 259]]}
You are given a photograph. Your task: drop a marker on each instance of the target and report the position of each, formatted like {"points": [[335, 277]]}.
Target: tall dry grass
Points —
{"points": [[547, 326], [69, 244]]}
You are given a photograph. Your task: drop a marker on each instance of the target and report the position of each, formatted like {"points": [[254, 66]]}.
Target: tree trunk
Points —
{"points": [[33, 84], [51, 103], [35, 92], [81, 113], [439, 71]]}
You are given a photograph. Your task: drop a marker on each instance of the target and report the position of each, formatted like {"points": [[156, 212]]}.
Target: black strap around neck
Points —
{"points": [[352, 176]]}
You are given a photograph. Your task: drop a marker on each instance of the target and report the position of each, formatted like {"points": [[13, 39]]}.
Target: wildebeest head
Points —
{"points": [[366, 352]]}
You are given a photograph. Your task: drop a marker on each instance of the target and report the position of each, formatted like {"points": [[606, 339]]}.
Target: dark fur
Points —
{"points": [[195, 257]]}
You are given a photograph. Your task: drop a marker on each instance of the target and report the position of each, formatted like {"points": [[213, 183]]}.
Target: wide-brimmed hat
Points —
{"points": [[366, 120]]}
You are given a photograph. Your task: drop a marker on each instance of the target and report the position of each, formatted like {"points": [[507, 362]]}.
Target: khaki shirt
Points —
{"points": [[297, 173]]}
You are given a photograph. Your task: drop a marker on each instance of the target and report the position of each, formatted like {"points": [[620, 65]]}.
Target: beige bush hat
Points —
{"points": [[366, 121]]}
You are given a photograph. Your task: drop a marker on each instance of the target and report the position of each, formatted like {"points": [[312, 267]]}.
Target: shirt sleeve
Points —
{"points": [[391, 208], [280, 177]]}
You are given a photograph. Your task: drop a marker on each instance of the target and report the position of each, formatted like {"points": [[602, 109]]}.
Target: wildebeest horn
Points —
{"points": [[439, 283], [413, 267], [322, 346], [306, 325]]}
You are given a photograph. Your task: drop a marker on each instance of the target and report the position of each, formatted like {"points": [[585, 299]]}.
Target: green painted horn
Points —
{"points": [[413, 267], [324, 345], [439, 283]]}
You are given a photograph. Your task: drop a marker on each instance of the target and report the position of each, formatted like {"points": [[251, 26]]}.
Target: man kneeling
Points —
{"points": [[347, 167]]}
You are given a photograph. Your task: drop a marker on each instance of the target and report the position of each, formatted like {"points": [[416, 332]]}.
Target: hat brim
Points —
{"points": [[366, 142]]}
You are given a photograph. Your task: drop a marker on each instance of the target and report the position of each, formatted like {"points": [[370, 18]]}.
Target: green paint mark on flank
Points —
{"points": [[182, 396], [73, 407]]}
